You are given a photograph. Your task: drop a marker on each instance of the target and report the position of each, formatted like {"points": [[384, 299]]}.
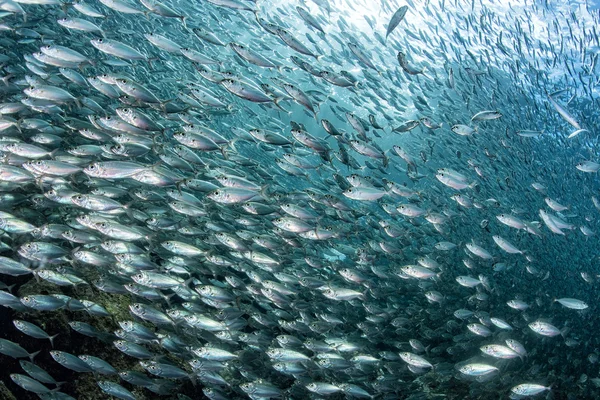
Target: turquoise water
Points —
{"points": [[324, 199]]}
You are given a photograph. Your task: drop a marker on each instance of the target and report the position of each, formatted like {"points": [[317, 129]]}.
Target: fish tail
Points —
{"points": [[51, 339], [232, 144], [223, 152], [32, 355], [264, 191]]}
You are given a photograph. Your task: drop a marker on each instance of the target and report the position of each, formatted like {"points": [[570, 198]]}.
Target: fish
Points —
{"points": [[361, 55], [405, 66], [396, 19], [564, 113], [528, 389], [276, 200], [309, 19], [29, 384], [588, 166], [33, 330], [463, 130], [118, 49], [506, 245], [294, 43], [478, 369], [486, 116], [544, 328], [572, 303]]}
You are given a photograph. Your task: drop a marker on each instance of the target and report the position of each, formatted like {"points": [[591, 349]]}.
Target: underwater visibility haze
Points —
{"points": [[317, 199]]}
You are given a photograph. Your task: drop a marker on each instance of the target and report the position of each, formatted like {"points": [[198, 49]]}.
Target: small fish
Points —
{"points": [[116, 390], [33, 330], [506, 245], [415, 360], [13, 350], [478, 369], [572, 303], [29, 384], [245, 91], [463, 130], [528, 389], [564, 113], [486, 116], [588, 166], [396, 19], [544, 328], [401, 57]]}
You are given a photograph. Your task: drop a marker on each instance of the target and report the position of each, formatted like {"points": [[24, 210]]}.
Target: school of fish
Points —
{"points": [[342, 199]]}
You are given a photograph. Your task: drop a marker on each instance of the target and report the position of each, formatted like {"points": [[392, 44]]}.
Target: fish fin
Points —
{"points": [[223, 152], [149, 61], [277, 101], [6, 78], [18, 125], [168, 297], [32, 355], [51, 339], [263, 192], [363, 295], [232, 144]]}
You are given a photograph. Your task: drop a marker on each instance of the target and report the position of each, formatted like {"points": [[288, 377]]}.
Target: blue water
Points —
{"points": [[452, 206]]}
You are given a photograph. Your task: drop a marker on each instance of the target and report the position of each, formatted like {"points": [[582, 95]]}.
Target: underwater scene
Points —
{"points": [[299, 199]]}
